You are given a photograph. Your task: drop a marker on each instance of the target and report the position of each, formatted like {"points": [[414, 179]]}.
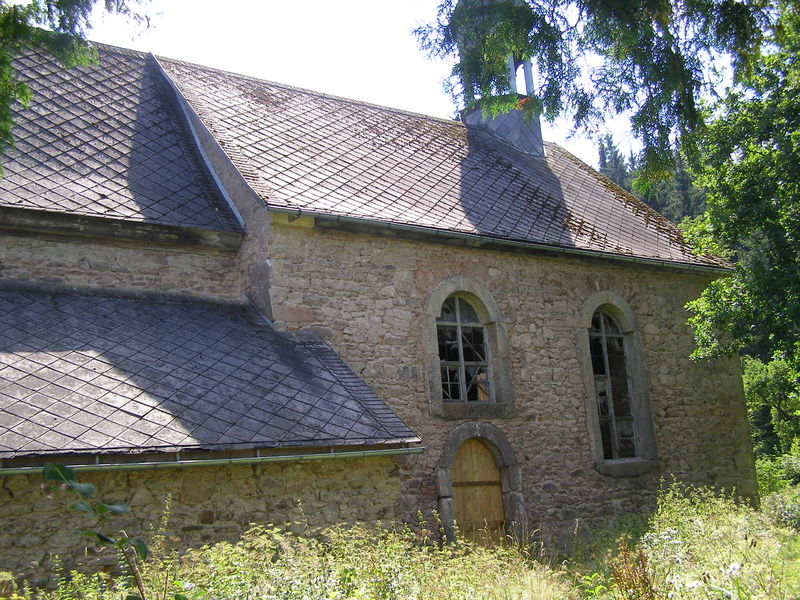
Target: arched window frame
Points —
{"points": [[645, 460], [499, 366], [461, 365]]}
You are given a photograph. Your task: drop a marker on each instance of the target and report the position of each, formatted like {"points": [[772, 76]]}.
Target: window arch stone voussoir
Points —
{"points": [[510, 475]]}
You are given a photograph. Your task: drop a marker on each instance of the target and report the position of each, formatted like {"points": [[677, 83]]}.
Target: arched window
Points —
{"points": [[463, 352], [621, 431], [466, 352], [612, 383]]}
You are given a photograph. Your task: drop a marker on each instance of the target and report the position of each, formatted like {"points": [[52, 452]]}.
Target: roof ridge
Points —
{"points": [[311, 92], [285, 86], [535, 221], [120, 50]]}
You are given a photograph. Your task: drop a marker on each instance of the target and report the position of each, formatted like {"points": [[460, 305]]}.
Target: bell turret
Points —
{"points": [[515, 128]]}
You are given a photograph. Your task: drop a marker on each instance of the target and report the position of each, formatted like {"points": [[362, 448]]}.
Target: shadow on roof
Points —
{"points": [[90, 373], [510, 195], [101, 140]]}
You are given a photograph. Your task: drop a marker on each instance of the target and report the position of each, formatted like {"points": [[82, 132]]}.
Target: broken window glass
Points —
{"points": [[477, 384], [467, 314], [612, 387], [448, 311], [448, 344], [472, 341], [451, 386], [463, 352]]}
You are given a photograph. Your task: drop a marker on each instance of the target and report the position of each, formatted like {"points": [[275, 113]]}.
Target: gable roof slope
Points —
{"points": [[307, 151], [101, 141], [106, 375]]}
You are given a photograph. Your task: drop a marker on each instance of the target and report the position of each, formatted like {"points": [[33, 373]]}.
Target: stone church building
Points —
{"points": [[271, 304]]}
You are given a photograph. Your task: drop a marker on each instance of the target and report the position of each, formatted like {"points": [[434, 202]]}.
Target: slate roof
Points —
{"points": [[92, 374], [304, 150], [102, 140]]}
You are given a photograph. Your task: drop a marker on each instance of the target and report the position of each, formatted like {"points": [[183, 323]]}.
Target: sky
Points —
{"points": [[360, 49]]}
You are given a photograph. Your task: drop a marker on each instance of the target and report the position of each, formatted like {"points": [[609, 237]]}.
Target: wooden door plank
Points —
{"points": [[477, 493]]}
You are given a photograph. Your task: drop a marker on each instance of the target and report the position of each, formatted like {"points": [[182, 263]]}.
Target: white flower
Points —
{"points": [[733, 570]]}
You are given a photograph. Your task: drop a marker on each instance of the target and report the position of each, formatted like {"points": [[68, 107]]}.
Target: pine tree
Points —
{"points": [[675, 197]]}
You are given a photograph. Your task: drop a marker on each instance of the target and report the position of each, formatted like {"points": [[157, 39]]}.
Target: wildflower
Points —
{"points": [[733, 569], [693, 585]]}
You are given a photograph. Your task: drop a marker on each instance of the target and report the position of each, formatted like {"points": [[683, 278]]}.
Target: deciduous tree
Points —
{"points": [[749, 169]]}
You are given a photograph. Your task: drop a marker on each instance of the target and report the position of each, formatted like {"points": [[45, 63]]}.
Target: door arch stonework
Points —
{"points": [[510, 475]]}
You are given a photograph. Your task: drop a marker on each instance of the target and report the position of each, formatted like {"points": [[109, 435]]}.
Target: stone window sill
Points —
{"points": [[627, 467], [474, 410]]}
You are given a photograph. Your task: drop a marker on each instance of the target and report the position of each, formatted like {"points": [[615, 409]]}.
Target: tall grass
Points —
{"points": [[358, 562], [697, 544]]}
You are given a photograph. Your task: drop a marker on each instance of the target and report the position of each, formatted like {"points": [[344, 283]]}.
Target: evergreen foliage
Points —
{"points": [[676, 197], [613, 164], [54, 26], [657, 57]]}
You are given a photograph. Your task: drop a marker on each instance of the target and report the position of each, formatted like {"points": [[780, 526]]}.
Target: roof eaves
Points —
{"points": [[481, 239], [177, 448], [13, 219], [640, 207]]}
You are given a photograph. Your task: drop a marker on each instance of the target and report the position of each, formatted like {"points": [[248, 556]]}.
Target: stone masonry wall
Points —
{"points": [[209, 504], [365, 295], [210, 275]]}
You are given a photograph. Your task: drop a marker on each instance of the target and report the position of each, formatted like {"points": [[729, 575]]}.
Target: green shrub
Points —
{"points": [[790, 463], [770, 474]]}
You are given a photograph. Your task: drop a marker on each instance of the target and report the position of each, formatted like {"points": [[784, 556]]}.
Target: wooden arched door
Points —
{"points": [[477, 492]]}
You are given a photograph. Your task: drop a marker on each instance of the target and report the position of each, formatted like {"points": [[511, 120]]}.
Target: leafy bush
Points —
{"points": [[770, 474], [790, 463], [773, 403]]}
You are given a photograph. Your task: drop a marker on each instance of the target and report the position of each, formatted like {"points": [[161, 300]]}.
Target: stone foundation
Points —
{"points": [[208, 504]]}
